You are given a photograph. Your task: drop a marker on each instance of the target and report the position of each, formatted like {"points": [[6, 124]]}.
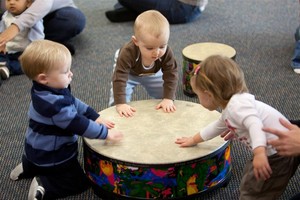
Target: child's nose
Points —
{"points": [[156, 52]]}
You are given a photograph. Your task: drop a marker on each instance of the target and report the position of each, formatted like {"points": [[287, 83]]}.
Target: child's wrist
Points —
{"points": [[195, 142]]}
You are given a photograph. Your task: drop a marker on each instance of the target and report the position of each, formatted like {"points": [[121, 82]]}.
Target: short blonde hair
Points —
{"points": [[221, 76], [42, 56], [152, 22]]}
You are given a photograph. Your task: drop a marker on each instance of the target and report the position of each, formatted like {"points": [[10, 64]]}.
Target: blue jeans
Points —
{"points": [[64, 24], [12, 62], [296, 57], [153, 84], [175, 11]]}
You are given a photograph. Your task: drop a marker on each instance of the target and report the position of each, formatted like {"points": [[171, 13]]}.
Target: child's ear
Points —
{"points": [[42, 79], [208, 93], [134, 40]]}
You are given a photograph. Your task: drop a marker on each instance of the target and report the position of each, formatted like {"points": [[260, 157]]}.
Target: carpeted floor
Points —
{"points": [[261, 31]]}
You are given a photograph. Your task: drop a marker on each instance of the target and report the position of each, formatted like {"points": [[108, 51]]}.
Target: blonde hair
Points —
{"points": [[152, 22], [42, 56], [221, 76]]}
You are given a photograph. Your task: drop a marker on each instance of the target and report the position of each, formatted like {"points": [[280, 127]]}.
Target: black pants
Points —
{"points": [[59, 181], [296, 122]]}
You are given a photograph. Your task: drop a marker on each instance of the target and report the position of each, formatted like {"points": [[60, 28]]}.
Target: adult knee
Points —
{"points": [[64, 24]]}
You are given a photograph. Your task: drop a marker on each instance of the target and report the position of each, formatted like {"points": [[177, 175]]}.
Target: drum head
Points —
{"points": [[149, 136], [199, 51]]}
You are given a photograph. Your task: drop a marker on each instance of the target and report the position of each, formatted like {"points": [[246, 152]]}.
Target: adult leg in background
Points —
{"points": [[64, 24], [295, 64], [176, 12]]}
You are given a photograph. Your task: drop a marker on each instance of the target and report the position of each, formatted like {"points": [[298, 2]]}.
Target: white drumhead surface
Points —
{"points": [[149, 136], [200, 51]]}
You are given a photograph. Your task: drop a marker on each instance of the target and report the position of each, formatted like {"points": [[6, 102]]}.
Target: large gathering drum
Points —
{"points": [[196, 53], [147, 164]]}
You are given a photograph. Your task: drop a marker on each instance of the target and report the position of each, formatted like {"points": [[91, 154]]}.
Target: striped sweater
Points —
{"points": [[56, 118]]}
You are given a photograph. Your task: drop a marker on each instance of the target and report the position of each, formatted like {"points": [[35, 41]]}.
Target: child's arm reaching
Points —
{"points": [[107, 123], [167, 105], [189, 141], [212, 130], [261, 167], [3, 48], [114, 135]]}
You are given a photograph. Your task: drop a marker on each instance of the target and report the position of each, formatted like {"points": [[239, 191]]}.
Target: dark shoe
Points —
{"points": [[17, 172], [70, 47], [36, 190], [295, 122], [121, 15]]}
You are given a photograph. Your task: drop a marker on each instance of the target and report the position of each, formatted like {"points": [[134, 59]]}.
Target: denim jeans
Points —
{"points": [[153, 84], [12, 62], [175, 11], [296, 57], [64, 24]]}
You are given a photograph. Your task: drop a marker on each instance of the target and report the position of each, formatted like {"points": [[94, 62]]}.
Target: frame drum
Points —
{"points": [[196, 53], [147, 164]]}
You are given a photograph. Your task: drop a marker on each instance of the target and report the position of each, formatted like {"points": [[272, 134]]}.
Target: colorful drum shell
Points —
{"points": [[116, 171], [195, 54]]}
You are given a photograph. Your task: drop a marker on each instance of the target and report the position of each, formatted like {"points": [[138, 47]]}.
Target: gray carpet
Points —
{"points": [[261, 31]]}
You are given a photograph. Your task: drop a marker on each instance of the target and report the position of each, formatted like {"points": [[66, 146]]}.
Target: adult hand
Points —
{"points": [[288, 142], [3, 48], [8, 34]]}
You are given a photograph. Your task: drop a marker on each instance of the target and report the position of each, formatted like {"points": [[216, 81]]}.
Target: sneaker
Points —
{"points": [[203, 5], [120, 15], [297, 70], [36, 190], [4, 72], [17, 172]]}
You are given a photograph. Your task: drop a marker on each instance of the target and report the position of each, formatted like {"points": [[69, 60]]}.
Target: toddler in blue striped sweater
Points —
{"points": [[56, 119]]}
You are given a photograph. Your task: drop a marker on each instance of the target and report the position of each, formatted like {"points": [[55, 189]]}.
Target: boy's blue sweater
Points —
{"points": [[56, 118]]}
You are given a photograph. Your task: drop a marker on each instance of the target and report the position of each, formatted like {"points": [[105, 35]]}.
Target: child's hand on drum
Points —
{"points": [[167, 105], [125, 110], [189, 141], [114, 135], [107, 123], [186, 141]]}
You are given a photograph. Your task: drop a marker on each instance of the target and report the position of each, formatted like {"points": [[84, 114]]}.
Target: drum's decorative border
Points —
{"points": [[188, 67], [170, 181]]}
